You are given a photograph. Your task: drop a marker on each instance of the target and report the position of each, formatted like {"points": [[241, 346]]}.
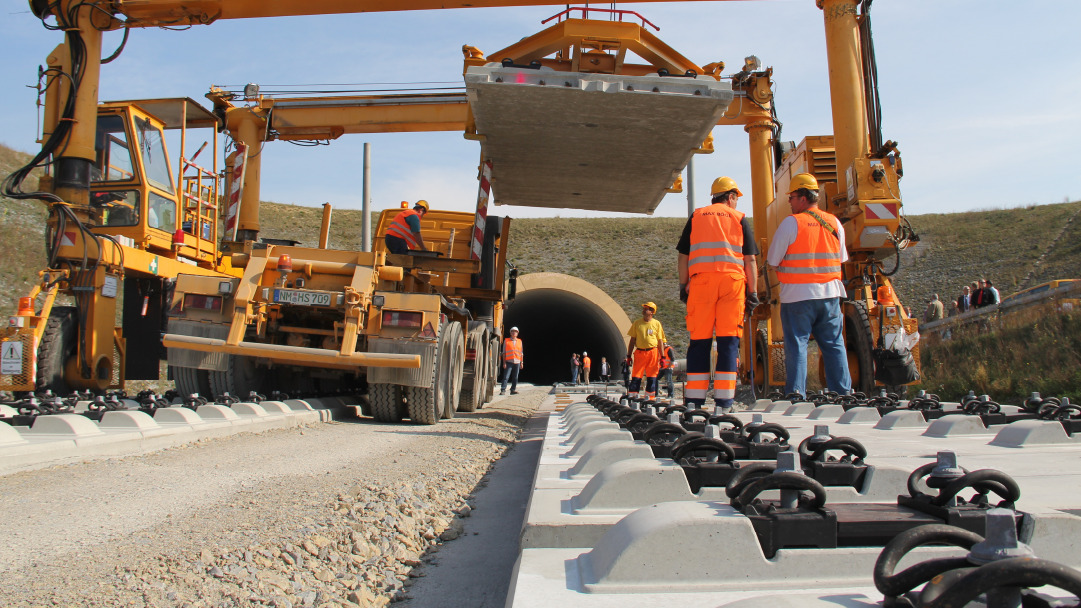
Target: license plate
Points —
{"points": [[302, 298]]}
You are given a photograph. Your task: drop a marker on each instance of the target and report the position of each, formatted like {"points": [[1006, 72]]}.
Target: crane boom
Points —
{"points": [[152, 13]]}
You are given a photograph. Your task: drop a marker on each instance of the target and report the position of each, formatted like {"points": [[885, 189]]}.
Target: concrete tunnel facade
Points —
{"points": [[557, 314]]}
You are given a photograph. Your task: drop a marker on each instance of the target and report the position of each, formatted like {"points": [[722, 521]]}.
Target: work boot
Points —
{"points": [[503, 392], [514, 392]]}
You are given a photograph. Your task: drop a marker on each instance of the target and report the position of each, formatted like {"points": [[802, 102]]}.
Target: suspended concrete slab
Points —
{"points": [[600, 142]]}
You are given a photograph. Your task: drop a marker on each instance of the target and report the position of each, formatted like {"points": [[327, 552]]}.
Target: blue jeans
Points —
{"points": [[510, 371], [822, 318], [574, 374], [666, 381]]}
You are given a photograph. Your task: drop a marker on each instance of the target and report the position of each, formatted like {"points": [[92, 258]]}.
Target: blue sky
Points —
{"points": [[982, 95]]}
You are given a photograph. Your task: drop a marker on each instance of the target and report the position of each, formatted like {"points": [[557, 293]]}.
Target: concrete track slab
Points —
{"points": [[589, 141]]}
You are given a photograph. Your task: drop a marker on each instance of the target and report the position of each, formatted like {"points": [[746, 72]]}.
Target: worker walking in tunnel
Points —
{"points": [[808, 250], [513, 362], [586, 362], [403, 233], [717, 279], [644, 350]]}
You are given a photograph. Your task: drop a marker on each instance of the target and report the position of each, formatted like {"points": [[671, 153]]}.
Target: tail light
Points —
{"points": [[396, 318], [200, 302]]}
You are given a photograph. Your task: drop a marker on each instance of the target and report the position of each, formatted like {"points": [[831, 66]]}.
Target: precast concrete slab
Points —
{"points": [[589, 141], [62, 438], [667, 557]]}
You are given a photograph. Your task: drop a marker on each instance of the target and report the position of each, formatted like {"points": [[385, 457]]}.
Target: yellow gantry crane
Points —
{"points": [[119, 214]]}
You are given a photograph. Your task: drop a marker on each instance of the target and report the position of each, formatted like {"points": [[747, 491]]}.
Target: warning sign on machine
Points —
{"points": [[11, 358]]}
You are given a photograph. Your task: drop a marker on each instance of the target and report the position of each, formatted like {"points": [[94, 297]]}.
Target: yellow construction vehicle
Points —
{"points": [[858, 174], [111, 219], [245, 315]]}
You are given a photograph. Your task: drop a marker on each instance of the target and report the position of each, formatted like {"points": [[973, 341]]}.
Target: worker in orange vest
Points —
{"points": [[808, 249], [403, 233], [718, 277], [513, 362], [644, 351], [586, 362]]}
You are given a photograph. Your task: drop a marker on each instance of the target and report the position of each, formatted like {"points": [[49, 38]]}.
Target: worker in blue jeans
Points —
{"points": [[807, 250]]}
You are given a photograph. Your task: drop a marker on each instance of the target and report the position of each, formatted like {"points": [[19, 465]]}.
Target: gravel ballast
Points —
{"points": [[333, 514]]}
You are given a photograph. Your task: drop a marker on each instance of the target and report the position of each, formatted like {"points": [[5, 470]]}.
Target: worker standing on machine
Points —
{"points": [[644, 350], [403, 234], [513, 362], [807, 251], [718, 277]]}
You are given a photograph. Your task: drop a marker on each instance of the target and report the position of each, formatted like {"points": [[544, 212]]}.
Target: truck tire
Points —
{"points": [[475, 377], [240, 378], [456, 369], [426, 403], [493, 368], [57, 346], [190, 380], [386, 401], [860, 346], [761, 364]]}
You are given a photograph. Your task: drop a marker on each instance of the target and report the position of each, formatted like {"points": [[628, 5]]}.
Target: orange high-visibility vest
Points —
{"points": [[512, 350], [815, 255], [400, 228], [716, 240], [585, 362], [666, 358]]}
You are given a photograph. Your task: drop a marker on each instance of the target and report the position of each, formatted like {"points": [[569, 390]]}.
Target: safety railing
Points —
{"points": [[615, 14]]}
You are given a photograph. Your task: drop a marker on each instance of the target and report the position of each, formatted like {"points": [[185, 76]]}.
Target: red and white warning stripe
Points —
{"points": [[881, 211], [236, 187], [482, 210]]}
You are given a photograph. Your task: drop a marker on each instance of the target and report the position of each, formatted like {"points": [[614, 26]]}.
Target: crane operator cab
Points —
{"points": [[135, 193]]}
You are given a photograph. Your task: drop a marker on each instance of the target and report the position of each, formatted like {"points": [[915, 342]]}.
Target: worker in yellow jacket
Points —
{"points": [[718, 276], [644, 351]]}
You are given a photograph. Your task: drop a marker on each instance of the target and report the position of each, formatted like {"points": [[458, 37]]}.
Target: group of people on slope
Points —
{"points": [[978, 295], [718, 278]]}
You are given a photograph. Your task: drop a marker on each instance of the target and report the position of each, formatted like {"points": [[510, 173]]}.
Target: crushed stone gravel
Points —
{"points": [[336, 514]]}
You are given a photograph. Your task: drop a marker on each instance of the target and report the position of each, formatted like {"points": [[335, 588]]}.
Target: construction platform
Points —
{"points": [[599, 142], [611, 524]]}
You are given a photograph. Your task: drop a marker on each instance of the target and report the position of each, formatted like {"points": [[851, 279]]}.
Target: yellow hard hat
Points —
{"points": [[422, 203], [724, 184], [650, 305], [803, 180]]}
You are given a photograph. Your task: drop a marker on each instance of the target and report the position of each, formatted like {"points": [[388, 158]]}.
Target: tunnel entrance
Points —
{"points": [[557, 314]]}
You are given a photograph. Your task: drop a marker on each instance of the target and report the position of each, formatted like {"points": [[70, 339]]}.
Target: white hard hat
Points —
{"points": [[584, 352], [514, 328]]}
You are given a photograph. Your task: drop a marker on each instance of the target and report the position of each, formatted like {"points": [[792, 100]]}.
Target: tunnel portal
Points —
{"points": [[557, 314]]}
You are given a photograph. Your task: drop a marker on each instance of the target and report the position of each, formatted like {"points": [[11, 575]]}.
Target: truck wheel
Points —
{"points": [[240, 378], [386, 400], [190, 380], [475, 377], [859, 344], [426, 403], [57, 346], [761, 362], [493, 368], [455, 368]]}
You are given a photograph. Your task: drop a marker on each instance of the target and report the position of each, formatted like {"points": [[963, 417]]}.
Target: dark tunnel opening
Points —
{"points": [[552, 324]]}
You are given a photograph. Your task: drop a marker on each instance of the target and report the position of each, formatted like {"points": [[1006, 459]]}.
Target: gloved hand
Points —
{"points": [[752, 301], [683, 293]]}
